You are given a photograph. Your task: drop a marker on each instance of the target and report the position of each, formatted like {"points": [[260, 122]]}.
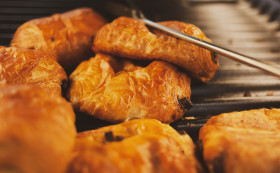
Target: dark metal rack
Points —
{"points": [[234, 25]]}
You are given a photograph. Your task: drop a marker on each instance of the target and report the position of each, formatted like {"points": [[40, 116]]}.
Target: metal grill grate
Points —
{"points": [[235, 26], [235, 87], [238, 27]]}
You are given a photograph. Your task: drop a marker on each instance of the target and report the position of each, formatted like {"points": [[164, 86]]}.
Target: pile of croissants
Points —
{"points": [[122, 72]]}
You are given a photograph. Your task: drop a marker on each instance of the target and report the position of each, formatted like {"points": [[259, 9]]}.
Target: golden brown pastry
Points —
{"points": [[242, 142], [24, 66], [117, 90], [37, 131], [67, 36], [140, 146], [130, 38]]}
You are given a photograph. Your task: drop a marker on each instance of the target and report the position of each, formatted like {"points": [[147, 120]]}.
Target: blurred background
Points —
{"points": [[251, 27]]}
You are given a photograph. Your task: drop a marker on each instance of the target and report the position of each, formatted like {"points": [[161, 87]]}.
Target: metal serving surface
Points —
{"points": [[235, 86], [234, 25]]}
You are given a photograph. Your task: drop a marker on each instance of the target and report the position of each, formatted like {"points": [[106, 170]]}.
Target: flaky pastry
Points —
{"points": [[37, 130], [242, 142], [24, 66], [130, 38], [138, 146], [117, 90], [67, 36]]}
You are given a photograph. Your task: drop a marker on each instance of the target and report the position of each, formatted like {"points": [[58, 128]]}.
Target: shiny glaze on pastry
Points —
{"points": [[67, 36], [142, 145], [118, 90], [246, 141], [130, 38], [37, 130], [24, 66]]}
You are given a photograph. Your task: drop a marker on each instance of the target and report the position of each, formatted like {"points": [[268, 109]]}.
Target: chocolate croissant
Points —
{"points": [[130, 38], [67, 36], [37, 130], [242, 142], [135, 146], [118, 90], [24, 66]]}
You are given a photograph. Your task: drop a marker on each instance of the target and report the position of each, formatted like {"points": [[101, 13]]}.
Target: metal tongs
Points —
{"points": [[137, 14]]}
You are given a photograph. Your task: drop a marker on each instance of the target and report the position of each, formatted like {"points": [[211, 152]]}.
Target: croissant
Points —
{"points": [[246, 141], [117, 90], [130, 38], [24, 66], [142, 145], [67, 36], [37, 130]]}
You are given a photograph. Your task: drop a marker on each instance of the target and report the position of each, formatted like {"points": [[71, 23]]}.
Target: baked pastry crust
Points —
{"points": [[37, 130], [246, 141], [24, 66], [130, 38], [117, 90], [67, 36], [142, 145]]}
